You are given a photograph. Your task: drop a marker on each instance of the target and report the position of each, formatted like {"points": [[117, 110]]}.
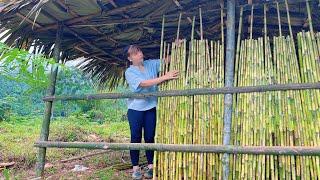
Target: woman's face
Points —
{"points": [[136, 56]]}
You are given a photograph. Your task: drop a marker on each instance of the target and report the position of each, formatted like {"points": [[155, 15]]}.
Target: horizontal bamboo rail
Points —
{"points": [[230, 149], [189, 92]]}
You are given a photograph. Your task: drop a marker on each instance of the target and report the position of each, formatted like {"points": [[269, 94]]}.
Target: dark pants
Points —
{"points": [[137, 121]]}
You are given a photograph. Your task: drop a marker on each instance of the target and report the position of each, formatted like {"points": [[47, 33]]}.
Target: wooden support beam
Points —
{"points": [[61, 6], [82, 18], [89, 43], [109, 36], [48, 109], [75, 15], [116, 6], [23, 17], [126, 16], [143, 20], [196, 148], [76, 47], [229, 78]]}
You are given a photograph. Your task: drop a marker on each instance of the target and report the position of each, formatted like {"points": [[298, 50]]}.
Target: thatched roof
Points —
{"points": [[98, 30]]}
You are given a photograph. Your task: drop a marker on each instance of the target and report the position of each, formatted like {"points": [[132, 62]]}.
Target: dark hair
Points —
{"points": [[131, 49]]}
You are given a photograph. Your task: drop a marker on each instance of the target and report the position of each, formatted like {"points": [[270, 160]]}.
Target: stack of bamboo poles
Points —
{"points": [[286, 118], [289, 118], [191, 120]]}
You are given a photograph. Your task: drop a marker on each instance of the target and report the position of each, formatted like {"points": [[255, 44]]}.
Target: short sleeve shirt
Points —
{"points": [[134, 77]]}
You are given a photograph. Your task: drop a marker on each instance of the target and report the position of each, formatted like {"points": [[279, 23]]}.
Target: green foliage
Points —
{"points": [[96, 116], [14, 100], [5, 108], [69, 82], [21, 66], [6, 174], [24, 80], [108, 110]]}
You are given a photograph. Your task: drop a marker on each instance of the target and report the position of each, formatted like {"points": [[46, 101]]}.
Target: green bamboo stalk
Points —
{"points": [[251, 21], [192, 30], [288, 16], [201, 26], [222, 23], [309, 18], [259, 119], [41, 156], [156, 169], [238, 46], [162, 36], [279, 19]]}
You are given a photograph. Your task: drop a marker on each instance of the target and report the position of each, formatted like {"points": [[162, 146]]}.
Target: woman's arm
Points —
{"points": [[168, 76]]}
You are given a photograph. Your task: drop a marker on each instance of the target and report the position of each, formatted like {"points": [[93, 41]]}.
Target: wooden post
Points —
{"points": [[48, 109], [229, 76]]}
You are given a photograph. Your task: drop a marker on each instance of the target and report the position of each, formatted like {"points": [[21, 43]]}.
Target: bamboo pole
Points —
{"points": [[201, 28], [251, 21], [309, 17], [309, 73], [179, 22], [238, 46], [156, 170], [199, 148], [222, 21], [229, 77], [279, 19], [288, 16], [192, 30], [162, 37], [189, 92], [237, 98], [48, 109]]}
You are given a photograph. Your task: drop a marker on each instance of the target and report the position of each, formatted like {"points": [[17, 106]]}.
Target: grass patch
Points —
{"points": [[108, 174], [18, 135]]}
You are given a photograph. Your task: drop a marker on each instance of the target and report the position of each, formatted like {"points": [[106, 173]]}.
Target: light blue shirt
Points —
{"points": [[134, 77]]}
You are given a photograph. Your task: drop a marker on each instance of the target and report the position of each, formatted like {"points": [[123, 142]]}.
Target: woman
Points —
{"points": [[142, 77]]}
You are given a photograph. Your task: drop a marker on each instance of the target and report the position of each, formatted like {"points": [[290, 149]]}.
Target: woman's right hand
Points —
{"points": [[171, 75]]}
